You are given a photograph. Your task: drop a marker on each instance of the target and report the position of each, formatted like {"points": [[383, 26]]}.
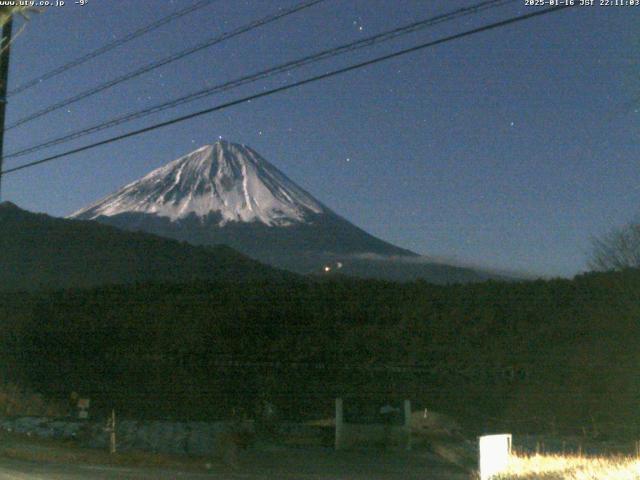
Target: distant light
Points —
{"points": [[327, 268], [339, 264]]}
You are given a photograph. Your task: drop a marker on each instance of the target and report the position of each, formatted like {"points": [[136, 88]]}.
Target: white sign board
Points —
{"points": [[494, 454]]}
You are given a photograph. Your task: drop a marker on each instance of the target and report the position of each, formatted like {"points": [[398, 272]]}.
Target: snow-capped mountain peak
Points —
{"points": [[224, 178]]}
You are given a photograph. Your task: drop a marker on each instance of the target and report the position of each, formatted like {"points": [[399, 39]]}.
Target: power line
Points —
{"points": [[165, 61], [247, 79], [110, 46], [316, 78]]}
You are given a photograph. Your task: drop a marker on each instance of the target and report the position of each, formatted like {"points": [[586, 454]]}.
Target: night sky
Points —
{"points": [[508, 149]]}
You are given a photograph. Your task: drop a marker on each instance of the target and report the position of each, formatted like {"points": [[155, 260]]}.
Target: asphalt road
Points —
{"points": [[21, 470], [294, 466]]}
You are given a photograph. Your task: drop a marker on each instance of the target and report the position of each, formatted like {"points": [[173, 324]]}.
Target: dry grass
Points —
{"points": [[572, 467]]}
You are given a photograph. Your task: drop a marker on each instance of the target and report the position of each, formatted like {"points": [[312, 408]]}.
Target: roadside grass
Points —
{"points": [[522, 466], [571, 467]]}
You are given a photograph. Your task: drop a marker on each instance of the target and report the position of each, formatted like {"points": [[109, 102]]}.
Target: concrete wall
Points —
{"points": [[349, 435]]}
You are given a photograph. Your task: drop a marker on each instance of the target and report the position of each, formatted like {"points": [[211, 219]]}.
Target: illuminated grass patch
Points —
{"points": [[572, 467]]}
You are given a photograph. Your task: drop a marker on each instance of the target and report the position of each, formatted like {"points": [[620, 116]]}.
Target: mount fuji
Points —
{"points": [[227, 193]]}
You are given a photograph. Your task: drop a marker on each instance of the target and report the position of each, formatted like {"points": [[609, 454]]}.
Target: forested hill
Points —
{"points": [[527, 356], [38, 251]]}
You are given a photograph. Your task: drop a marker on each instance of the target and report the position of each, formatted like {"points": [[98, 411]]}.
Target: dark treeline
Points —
{"points": [[38, 252], [540, 355]]}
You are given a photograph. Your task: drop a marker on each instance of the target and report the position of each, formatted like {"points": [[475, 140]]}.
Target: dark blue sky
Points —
{"points": [[508, 149]]}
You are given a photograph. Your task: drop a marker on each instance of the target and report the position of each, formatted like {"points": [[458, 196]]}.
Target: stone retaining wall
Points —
{"points": [[182, 438]]}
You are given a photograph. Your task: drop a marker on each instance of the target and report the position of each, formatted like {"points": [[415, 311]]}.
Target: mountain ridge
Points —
{"points": [[226, 193], [42, 252]]}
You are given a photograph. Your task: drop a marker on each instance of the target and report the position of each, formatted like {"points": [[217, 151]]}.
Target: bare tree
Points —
{"points": [[7, 13], [618, 249]]}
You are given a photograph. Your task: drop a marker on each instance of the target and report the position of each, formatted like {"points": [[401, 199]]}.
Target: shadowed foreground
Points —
{"points": [[289, 463]]}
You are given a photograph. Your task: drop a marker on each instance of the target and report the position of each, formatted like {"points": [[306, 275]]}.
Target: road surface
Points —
{"points": [[296, 465]]}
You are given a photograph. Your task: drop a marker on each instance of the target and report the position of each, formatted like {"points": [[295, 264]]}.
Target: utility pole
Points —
{"points": [[111, 429], [4, 80]]}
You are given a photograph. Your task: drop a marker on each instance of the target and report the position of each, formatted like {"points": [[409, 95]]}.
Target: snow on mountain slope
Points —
{"points": [[230, 179]]}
